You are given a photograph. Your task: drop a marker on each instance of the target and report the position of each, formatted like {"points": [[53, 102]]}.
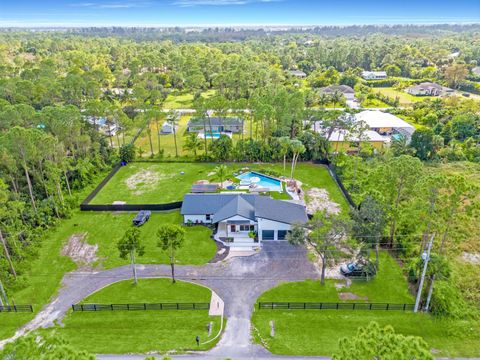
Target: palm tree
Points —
{"points": [[297, 149], [284, 143], [336, 98], [192, 143], [323, 99], [221, 173], [173, 120]]}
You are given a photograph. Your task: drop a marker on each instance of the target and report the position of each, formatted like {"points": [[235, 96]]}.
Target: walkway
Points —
{"points": [[238, 281]]}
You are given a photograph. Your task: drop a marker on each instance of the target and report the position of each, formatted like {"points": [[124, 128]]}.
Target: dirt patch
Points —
{"points": [[79, 251], [351, 296], [472, 258], [144, 180], [318, 200]]}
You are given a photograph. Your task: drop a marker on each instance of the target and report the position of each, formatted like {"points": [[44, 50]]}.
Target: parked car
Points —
{"points": [[466, 94], [142, 217], [358, 270]]}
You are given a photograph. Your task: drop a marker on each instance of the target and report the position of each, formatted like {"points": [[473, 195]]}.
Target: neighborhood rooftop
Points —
{"points": [[379, 119], [215, 121]]}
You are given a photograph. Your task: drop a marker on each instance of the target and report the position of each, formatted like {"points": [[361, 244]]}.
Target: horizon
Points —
{"points": [[232, 13]]}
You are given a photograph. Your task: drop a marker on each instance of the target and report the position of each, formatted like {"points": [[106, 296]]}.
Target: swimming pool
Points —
{"points": [[260, 180], [212, 135]]}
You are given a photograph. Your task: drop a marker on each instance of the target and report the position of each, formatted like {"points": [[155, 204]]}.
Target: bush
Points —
{"points": [[127, 152], [446, 300]]}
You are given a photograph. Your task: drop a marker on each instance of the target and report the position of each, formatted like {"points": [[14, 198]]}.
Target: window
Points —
{"points": [[247, 227], [282, 234], [208, 217], [268, 234]]}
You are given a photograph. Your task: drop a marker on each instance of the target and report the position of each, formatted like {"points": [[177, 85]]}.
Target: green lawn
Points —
{"points": [[105, 229], [374, 103], [105, 332], [183, 101], [405, 98], [149, 183], [316, 332]]}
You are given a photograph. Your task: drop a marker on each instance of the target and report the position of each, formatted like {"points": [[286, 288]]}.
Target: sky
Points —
{"points": [[234, 12]]}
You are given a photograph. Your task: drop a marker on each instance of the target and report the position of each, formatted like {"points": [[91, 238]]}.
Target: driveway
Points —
{"points": [[238, 281]]}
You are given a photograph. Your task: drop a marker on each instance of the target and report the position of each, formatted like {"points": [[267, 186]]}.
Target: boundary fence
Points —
{"points": [[334, 175], [16, 308], [333, 306], [140, 306]]}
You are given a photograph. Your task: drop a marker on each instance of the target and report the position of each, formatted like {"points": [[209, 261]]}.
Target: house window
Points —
{"points": [[282, 234], [246, 227], [268, 234], [208, 217]]}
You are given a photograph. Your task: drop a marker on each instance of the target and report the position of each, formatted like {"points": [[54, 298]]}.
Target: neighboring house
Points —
{"points": [[476, 71], [167, 128], [297, 73], [107, 129], [346, 141], [428, 89], [239, 216], [218, 124], [345, 90], [374, 75], [385, 124]]}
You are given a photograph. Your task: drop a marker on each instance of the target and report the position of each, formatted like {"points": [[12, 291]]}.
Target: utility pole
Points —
{"points": [[3, 295], [426, 259], [430, 292]]}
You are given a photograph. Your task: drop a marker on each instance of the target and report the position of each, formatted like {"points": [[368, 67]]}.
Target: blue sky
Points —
{"points": [[234, 12]]}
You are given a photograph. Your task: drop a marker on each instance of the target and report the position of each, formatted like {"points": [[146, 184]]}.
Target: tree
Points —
{"points": [[455, 74], [170, 239], [369, 224], [374, 342], [222, 148], [423, 143], [130, 244], [323, 233], [192, 143], [173, 119], [221, 173], [127, 152], [44, 346], [284, 143], [297, 149]]}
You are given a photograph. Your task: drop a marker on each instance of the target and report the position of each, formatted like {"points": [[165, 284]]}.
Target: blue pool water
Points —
{"points": [[265, 181], [213, 135]]}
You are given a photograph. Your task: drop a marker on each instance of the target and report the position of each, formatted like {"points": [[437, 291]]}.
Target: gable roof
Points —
{"points": [[224, 206], [216, 121], [344, 89]]}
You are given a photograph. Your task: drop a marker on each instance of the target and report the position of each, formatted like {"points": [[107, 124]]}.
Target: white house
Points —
{"points": [[374, 75], [428, 89], [345, 90], [297, 73], [243, 220], [385, 124]]}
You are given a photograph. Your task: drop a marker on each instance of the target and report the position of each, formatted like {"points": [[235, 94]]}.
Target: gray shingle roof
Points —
{"points": [[216, 121], [344, 89], [223, 206]]}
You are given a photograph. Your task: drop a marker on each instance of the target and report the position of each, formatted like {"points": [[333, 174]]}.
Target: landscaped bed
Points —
{"points": [[316, 332], [162, 330]]}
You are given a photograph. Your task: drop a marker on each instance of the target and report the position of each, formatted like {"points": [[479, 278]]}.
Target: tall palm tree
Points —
{"points": [[297, 149], [221, 173], [173, 119], [192, 143]]}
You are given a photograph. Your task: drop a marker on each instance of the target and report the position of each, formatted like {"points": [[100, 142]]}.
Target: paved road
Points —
{"points": [[238, 281]]}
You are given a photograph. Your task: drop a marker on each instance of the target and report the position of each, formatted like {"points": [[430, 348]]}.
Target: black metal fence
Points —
{"points": [[16, 308], [332, 306], [144, 306], [131, 207], [334, 175]]}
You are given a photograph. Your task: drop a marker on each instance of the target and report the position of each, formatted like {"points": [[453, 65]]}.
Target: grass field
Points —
{"points": [[404, 98], [374, 103], [183, 101], [105, 332], [316, 332], [162, 182]]}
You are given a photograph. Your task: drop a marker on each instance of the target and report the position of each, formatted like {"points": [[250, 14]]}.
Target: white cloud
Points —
{"points": [[190, 3], [113, 5]]}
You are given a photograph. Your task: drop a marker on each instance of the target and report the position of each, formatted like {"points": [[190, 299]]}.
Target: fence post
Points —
{"points": [[404, 305], [370, 306], [81, 306], [353, 306], [177, 306], [95, 307], [337, 306], [388, 305]]}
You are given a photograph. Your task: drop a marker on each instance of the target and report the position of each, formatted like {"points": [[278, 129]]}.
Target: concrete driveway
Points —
{"points": [[238, 281]]}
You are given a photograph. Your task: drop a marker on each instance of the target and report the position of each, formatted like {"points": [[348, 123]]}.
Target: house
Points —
{"points": [[297, 73], [218, 124], [167, 128], [428, 89], [243, 219], [350, 141], [102, 125], [374, 75], [384, 123], [345, 90], [476, 71]]}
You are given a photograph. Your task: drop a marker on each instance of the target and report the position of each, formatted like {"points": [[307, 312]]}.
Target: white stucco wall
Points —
{"points": [[195, 219], [265, 224]]}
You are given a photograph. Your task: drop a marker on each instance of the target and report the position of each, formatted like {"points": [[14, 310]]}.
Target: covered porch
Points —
{"points": [[236, 232]]}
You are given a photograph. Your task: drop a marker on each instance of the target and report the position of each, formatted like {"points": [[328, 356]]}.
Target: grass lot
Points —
{"points": [[105, 332], [374, 103], [183, 101], [198, 247], [405, 98], [171, 186], [316, 332]]}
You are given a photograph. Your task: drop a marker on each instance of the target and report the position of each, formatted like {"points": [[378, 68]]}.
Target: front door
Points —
{"points": [[232, 228]]}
